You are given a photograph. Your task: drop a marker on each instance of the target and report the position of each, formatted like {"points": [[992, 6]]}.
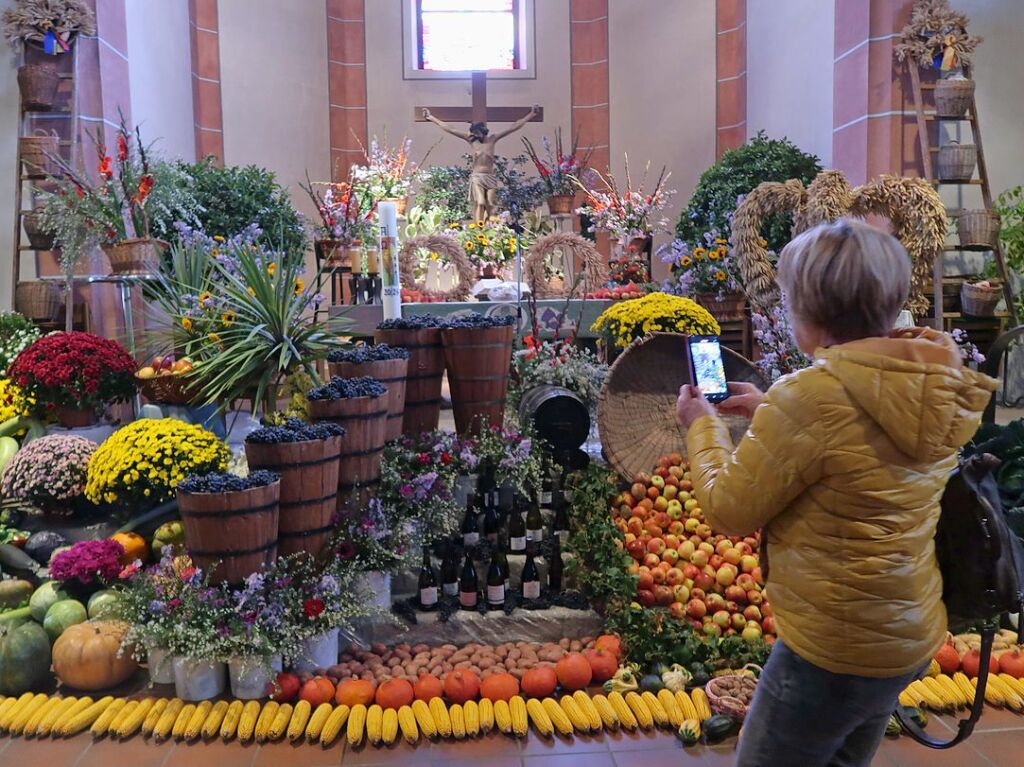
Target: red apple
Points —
{"points": [[690, 571], [736, 594], [696, 593], [716, 561], [752, 613], [652, 560], [738, 621], [659, 575], [722, 618], [751, 632], [671, 556], [704, 581], [652, 528], [661, 504], [699, 558], [755, 598], [638, 490], [715, 602], [664, 596], [696, 609], [645, 598], [712, 630], [675, 576], [677, 610], [726, 575], [723, 546], [768, 625], [747, 563], [677, 529]]}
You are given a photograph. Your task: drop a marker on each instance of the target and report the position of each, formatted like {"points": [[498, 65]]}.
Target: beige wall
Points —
{"points": [[161, 80], [390, 98], [662, 93], [790, 51], [9, 102]]}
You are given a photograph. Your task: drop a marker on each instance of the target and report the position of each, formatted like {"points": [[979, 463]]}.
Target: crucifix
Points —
{"points": [[483, 184]]}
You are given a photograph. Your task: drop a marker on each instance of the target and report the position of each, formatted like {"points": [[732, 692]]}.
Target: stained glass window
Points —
{"points": [[468, 35]]}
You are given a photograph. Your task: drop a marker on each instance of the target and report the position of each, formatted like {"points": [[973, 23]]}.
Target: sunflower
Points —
{"points": [[214, 338], [685, 261], [204, 297], [300, 285], [228, 318], [187, 324], [271, 268], [471, 226], [698, 254], [720, 276]]}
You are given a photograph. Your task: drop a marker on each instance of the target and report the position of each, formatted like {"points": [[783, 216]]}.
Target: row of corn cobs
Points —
{"points": [[40, 716], [941, 692]]}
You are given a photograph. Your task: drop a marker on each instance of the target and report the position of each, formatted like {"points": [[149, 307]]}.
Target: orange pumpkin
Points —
{"points": [[134, 546], [539, 682], [499, 687], [428, 687], [461, 685], [317, 690], [573, 671], [352, 692], [1012, 663], [85, 656], [394, 693], [610, 643], [603, 664]]}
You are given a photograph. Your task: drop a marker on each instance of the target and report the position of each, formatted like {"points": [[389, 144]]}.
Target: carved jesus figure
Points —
{"points": [[483, 184]]}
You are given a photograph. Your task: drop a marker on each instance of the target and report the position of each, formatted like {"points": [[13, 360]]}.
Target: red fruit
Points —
{"points": [[603, 664], [461, 685], [664, 596], [972, 663], [539, 682], [394, 693], [573, 671], [645, 597], [1012, 663], [499, 687], [948, 659], [352, 692], [284, 688], [428, 687], [317, 690], [610, 643]]}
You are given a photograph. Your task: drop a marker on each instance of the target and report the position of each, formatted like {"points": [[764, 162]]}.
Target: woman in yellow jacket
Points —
{"points": [[842, 469]]}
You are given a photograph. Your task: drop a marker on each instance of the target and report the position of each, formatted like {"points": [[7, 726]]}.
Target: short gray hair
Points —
{"points": [[847, 278]]}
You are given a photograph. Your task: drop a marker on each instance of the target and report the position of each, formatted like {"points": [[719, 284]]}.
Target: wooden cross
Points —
{"points": [[479, 112]]}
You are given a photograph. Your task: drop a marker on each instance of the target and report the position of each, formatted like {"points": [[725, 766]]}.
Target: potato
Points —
{"points": [[403, 655], [450, 647], [486, 663], [421, 657], [564, 643], [501, 651], [368, 676], [378, 648], [587, 640], [518, 673], [420, 648], [446, 667], [463, 664], [514, 655], [436, 670], [413, 670], [396, 661], [575, 645]]}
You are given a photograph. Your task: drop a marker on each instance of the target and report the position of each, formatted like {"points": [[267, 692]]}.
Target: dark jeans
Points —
{"points": [[803, 715]]}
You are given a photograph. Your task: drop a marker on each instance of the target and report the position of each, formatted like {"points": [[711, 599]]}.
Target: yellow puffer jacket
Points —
{"points": [[843, 468]]}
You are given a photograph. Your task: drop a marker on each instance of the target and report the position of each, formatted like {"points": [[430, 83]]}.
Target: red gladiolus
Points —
{"points": [[105, 169], [313, 607], [145, 187], [122, 148]]}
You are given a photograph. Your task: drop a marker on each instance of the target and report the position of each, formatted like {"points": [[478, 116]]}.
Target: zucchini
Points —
{"points": [[16, 616], [719, 727]]}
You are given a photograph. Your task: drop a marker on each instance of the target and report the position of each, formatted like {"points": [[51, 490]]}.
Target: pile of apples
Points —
{"points": [[714, 581], [409, 296], [616, 293], [165, 366]]}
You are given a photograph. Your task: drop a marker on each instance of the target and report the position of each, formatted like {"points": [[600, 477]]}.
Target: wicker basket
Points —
{"points": [[34, 152], [37, 237], [956, 162], [721, 702], [38, 300], [38, 85], [979, 300], [636, 410], [561, 204], [953, 97], [167, 390], [978, 229], [135, 256]]}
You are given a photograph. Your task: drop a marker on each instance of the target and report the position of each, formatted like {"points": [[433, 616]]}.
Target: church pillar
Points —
{"points": [[206, 99], [731, 75], [346, 76]]}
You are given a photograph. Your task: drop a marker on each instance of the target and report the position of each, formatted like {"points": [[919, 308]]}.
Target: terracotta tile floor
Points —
{"points": [[998, 741]]}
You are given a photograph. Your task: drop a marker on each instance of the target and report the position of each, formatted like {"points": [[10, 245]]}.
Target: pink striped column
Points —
{"points": [[731, 75], [346, 77], [206, 97]]}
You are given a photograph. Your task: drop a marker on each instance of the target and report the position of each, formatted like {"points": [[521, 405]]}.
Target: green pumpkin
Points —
{"points": [[62, 614], [44, 598], [24, 658], [103, 604], [719, 727], [168, 534], [651, 683]]}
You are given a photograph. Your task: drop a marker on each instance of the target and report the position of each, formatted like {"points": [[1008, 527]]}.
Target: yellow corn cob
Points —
{"points": [[280, 723], [961, 681], [911, 696], [539, 716], [162, 730], [46, 726], [213, 721], [657, 710], [194, 726], [668, 702], [424, 718], [336, 719], [622, 710], [247, 722], [458, 717], [14, 709], [7, 705], [559, 719], [517, 716], [992, 695], [580, 721], [930, 698], [356, 722], [389, 727], [181, 722], [907, 699], [41, 713], [130, 724], [107, 713], [299, 720], [503, 716], [485, 709], [128, 710], [80, 716], [26, 712], [609, 716], [638, 706], [442, 721], [933, 685], [954, 692], [1013, 701], [266, 718], [229, 727], [1017, 685], [317, 720], [700, 703], [407, 723], [149, 723], [471, 715], [374, 724], [933, 668], [588, 709]]}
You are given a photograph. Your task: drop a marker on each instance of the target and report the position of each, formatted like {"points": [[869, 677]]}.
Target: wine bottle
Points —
{"points": [[500, 557], [534, 525], [491, 521], [516, 533], [428, 583], [468, 585], [530, 580], [560, 525], [555, 568], [471, 524], [495, 585], [450, 570]]}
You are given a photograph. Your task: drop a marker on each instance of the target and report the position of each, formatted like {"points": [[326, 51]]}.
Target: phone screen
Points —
{"points": [[708, 368]]}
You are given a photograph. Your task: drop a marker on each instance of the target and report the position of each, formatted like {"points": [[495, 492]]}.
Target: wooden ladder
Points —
{"points": [[924, 117]]}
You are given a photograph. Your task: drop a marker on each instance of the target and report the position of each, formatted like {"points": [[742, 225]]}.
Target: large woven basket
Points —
{"points": [[167, 390], [136, 256], [956, 162], [38, 238], [35, 152], [978, 229], [979, 300], [636, 410], [38, 299], [953, 97], [38, 85]]}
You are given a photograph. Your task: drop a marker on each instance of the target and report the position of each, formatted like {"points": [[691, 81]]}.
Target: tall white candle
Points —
{"points": [[387, 218]]}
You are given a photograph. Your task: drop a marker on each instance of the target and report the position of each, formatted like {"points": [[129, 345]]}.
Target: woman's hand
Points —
{"points": [[743, 399], [691, 405]]}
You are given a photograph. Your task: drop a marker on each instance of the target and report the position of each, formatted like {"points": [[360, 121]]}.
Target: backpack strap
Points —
{"points": [[966, 726]]}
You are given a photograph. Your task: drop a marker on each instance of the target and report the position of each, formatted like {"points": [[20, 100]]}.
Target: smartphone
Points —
{"points": [[707, 367]]}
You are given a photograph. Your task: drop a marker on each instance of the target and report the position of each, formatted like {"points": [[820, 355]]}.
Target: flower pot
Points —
{"points": [[401, 203], [731, 306], [75, 417], [38, 299], [252, 676], [561, 204], [136, 256], [160, 664], [38, 85], [198, 680], [37, 238], [377, 586], [332, 254], [320, 651], [978, 300], [35, 151]]}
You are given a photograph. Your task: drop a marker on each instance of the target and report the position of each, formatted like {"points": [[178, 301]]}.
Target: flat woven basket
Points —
{"points": [[636, 410], [722, 702]]}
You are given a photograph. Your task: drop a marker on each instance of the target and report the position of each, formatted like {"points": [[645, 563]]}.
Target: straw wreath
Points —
{"points": [[446, 246], [575, 250]]}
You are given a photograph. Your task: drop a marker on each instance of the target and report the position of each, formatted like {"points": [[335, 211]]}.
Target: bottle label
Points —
{"points": [[428, 596], [531, 590], [517, 544], [545, 498], [496, 594], [451, 589], [470, 539], [467, 598], [535, 535]]}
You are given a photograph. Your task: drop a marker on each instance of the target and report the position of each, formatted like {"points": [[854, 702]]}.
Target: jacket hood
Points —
{"points": [[914, 385]]}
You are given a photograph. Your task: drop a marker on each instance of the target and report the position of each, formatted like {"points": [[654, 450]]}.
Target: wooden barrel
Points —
{"points": [[309, 490], [478, 362], [364, 420], [558, 416], [392, 374], [238, 530], [424, 376]]}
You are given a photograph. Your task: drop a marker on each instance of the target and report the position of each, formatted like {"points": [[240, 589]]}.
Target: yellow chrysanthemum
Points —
{"points": [[624, 321], [251, 291]]}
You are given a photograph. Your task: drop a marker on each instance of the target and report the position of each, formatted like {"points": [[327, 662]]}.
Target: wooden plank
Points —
{"points": [[465, 114], [922, 126], [971, 182]]}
